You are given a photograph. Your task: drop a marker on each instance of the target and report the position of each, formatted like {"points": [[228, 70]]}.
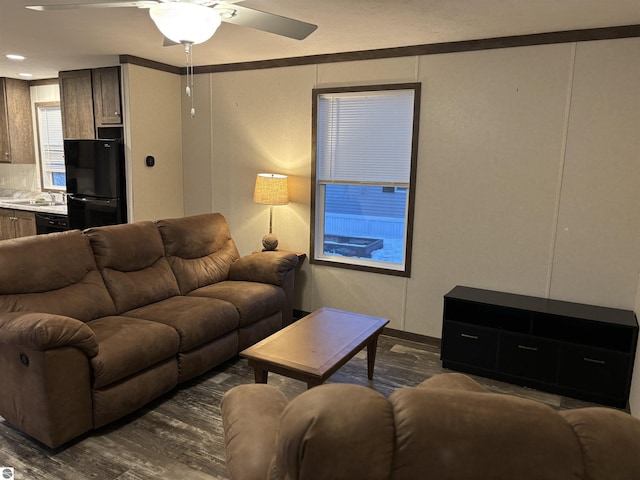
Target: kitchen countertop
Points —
{"points": [[26, 205]]}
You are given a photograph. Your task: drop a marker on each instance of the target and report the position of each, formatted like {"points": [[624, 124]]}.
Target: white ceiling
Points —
{"points": [[88, 38]]}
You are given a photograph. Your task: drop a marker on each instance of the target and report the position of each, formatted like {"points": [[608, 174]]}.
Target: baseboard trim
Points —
{"points": [[413, 337]]}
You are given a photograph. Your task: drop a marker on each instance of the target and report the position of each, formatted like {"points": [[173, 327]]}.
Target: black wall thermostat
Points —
{"points": [[150, 161]]}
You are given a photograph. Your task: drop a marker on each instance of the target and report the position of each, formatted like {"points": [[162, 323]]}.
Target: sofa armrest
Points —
{"points": [[45, 331], [264, 267], [250, 417]]}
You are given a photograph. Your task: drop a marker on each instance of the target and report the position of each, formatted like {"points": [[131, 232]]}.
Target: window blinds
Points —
{"points": [[365, 137], [51, 138]]}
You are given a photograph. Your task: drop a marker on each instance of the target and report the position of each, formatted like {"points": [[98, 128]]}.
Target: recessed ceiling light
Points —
{"points": [[26, 74], [14, 57]]}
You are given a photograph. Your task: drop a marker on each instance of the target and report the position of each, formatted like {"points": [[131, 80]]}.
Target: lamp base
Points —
{"points": [[270, 242]]}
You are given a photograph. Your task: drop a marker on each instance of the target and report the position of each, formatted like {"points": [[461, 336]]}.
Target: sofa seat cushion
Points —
{"points": [[254, 301], [129, 345], [121, 398], [196, 320]]}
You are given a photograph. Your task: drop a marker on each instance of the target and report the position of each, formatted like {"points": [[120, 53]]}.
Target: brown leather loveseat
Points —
{"points": [[95, 324], [449, 427]]}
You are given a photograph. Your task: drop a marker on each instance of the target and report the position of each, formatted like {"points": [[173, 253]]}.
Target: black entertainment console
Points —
{"points": [[577, 350]]}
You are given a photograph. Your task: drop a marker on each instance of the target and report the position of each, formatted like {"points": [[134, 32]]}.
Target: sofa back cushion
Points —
{"points": [[132, 262], [607, 438], [53, 273], [199, 248], [474, 435]]}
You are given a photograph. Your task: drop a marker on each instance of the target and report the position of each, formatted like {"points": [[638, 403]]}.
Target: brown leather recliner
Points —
{"points": [[449, 427]]}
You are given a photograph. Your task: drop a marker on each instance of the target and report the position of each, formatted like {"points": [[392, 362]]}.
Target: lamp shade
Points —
{"points": [[271, 189], [183, 22]]}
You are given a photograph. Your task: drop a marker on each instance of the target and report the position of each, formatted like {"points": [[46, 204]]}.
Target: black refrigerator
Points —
{"points": [[96, 191]]}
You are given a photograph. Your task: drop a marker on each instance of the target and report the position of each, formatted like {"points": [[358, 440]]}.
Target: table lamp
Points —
{"points": [[271, 189]]}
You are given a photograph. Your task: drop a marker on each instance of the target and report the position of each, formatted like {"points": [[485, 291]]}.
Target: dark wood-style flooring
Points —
{"points": [[179, 436]]}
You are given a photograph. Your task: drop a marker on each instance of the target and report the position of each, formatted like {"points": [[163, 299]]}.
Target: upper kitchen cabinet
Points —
{"points": [[16, 127], [107, 108], [76, 103], [90, 101]]}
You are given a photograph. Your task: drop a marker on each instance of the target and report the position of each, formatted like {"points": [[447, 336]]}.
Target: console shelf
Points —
{"points": [[577, 350]]}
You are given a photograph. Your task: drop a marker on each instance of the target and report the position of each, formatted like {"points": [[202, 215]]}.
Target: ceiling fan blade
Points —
{"points": [[70, 6], [267, 22]]}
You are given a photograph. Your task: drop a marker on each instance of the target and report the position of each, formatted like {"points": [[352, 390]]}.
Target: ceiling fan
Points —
{"points": [[189, 22], [221, 10]]}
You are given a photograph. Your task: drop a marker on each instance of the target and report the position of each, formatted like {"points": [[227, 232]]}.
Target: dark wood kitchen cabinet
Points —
{"points": [[16, 126], [107, 107], [577, 350], [76, 104], [91, 103], [16, 223]]}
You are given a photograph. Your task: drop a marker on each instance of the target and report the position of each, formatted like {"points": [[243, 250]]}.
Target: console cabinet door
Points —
{"points": [[469, 345], [76, 103], [595, 370], [528, 357]]}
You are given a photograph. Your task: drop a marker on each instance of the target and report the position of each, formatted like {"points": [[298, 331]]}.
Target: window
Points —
{"points": [[51, 146], [364, 151]]}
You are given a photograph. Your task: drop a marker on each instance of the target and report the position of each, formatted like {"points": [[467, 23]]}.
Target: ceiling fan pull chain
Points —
{"points": [[189, 89], [193, 110], [187, 51]]}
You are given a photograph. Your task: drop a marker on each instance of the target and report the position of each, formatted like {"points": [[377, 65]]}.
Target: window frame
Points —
{"points": [[37, 107], [317, 208]]}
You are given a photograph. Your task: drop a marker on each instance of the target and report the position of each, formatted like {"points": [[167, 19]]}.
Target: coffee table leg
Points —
{"points": [[372, 347], [313, 382], [260, 374]]}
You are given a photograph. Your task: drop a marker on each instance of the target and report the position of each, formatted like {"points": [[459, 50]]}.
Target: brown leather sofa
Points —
{"points": [[449, 427], [95, 324]]}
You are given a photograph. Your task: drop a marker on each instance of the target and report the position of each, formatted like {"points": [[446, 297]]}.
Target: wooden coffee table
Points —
{"points": [[314, 347]]}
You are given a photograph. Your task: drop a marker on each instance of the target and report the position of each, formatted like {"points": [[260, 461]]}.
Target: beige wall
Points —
{"points": [[152, 104], [196, 131], [492, 128], [526, 183], [597, 253]]}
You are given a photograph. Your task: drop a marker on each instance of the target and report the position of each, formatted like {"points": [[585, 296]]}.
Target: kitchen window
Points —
{"points": [[363, 185], [51, 146]]}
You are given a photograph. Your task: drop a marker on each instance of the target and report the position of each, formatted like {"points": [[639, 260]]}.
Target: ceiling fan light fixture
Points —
{"points": [[186, 23]]}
